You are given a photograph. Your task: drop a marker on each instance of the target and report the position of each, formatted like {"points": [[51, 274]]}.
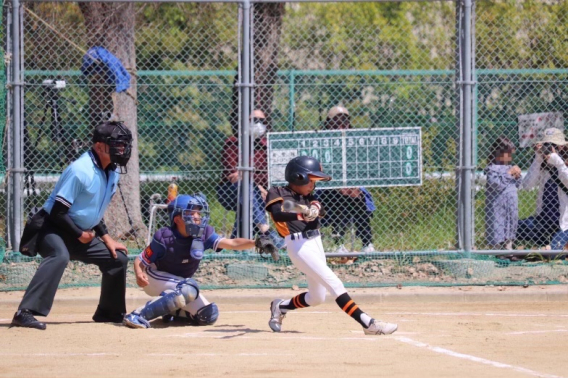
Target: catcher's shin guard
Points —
{"points": [[170, 301], [206, 315]]}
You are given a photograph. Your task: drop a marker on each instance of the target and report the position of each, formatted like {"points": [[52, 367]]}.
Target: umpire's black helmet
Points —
{"points": [[302, 169]]}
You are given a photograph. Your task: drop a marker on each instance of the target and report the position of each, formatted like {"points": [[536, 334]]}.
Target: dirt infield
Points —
{"points": [[443, 332]]}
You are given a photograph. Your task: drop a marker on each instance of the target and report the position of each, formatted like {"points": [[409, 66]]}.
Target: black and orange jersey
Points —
{"points": [[289, 223]]}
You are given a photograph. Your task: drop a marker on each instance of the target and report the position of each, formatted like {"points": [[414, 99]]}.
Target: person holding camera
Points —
{"points": [[540, 228], [73, 218], [556, 164]]}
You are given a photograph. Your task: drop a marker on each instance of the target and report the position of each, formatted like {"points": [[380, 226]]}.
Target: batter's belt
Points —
{"points": [[308, 234]]}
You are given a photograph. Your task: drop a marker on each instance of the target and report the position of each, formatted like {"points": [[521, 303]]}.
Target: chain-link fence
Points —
{"points": [[520, 201], [315, 67]]}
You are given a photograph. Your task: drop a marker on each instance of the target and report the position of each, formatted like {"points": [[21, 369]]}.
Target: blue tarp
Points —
{"points": [[115, 72]]}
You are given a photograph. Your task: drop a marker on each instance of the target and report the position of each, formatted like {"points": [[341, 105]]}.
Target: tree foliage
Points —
{"points": [[187, 55]]}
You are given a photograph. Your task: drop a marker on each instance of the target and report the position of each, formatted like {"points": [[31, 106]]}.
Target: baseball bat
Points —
{"points": [[289, 206], [293, 207]]}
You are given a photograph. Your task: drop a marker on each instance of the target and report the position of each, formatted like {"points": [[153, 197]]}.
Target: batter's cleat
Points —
{"points": [[276, 315], [377, 327], [134, 320], [25, 318], [369, 248]]}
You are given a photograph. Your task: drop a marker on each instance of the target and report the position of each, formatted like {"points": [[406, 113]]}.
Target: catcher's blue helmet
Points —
{"points": [[186, 205]]}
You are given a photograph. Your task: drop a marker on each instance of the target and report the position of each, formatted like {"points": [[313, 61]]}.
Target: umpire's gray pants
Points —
{"points": [[56, 250]]}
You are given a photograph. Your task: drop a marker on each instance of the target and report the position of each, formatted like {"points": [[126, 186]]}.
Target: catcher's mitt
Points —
{"points": [[265, 245]]}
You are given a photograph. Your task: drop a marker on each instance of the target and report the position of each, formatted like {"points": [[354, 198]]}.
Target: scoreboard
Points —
{"points": [[353, 157]]}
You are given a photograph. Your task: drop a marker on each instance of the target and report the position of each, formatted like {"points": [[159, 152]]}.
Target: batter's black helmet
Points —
{"points": [[302, 169]]}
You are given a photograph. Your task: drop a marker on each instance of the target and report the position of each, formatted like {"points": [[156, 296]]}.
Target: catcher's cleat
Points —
{"points": [[134, 320], [276, 315], [25, 318], [168, 318], [380, 328]]}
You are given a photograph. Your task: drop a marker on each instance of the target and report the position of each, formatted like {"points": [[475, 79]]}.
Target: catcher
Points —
{"points": [[164, 269]]}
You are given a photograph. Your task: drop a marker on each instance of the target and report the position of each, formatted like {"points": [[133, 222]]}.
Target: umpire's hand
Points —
{"points": [[87, 236], [113, 245]]}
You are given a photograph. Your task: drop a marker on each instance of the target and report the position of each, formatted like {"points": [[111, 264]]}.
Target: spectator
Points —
{"points": [[501, 199], [227, 190], [556, 165], [73, 217], [539, 228], [346, 205]]}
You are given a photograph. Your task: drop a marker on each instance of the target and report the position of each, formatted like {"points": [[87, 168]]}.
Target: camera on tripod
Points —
{"points": [[54, 84]]}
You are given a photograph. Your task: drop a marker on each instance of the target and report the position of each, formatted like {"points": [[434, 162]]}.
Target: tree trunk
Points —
{"points": [[111, 25], [266, 44]]}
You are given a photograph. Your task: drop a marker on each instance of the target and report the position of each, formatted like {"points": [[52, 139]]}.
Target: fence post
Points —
{"points": [[245, 87], [291, 101], [466, 84], [17, 127]]}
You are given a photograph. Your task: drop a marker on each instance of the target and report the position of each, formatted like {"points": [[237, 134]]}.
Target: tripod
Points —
{"points": [[66, 150]]}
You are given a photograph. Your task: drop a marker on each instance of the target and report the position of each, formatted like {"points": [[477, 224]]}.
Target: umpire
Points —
{"points": [[73, 215]]}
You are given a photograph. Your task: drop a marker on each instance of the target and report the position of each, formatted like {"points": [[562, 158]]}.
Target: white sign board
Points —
{"points": [[532, 126]]}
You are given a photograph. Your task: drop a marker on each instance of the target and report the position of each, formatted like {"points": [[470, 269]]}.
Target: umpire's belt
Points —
{"points": [[308, 234]]}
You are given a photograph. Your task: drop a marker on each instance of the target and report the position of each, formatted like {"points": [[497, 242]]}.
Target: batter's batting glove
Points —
{"points": [[265, 245], [312, 213]]}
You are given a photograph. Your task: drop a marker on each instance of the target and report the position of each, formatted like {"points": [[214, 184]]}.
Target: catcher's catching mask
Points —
{"points": [[194, 212]]}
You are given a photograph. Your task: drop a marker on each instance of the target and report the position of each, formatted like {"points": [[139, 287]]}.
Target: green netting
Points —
{"points": [[248, 270], [390, 64]]}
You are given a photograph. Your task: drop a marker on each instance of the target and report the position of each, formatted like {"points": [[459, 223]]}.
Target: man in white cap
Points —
{"points": [[347, 205], [552, 201], [337, 118]]}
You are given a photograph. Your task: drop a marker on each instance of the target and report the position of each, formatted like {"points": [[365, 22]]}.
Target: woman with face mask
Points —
{"points": [[227, 190]]}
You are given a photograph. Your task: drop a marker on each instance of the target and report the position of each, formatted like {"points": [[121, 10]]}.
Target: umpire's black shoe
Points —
{"points": [[102, 316], [25, 318]]}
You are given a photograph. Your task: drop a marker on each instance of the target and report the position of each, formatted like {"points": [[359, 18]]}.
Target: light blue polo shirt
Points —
{"points": [[84, 188]]}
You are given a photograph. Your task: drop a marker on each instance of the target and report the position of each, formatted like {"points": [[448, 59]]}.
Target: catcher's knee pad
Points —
{"points": [[168, 302], [189, 289], [206, 315]]}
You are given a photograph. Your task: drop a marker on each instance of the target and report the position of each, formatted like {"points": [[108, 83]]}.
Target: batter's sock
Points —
{"points": [[345, 302], [299, 301]]}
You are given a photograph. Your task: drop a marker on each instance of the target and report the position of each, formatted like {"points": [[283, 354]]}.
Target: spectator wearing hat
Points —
{"points": [[550, 204], [346, 205]]}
